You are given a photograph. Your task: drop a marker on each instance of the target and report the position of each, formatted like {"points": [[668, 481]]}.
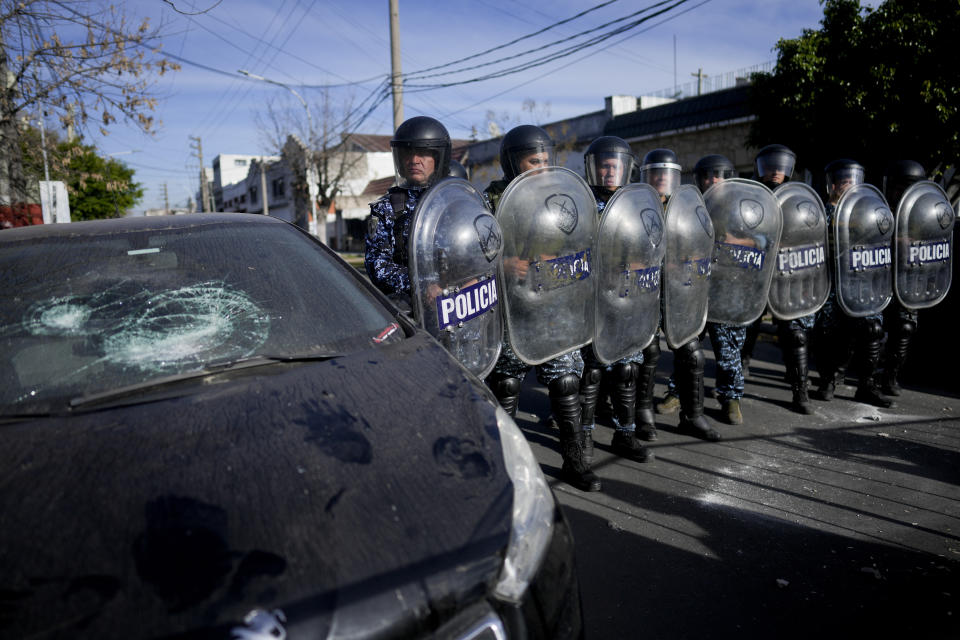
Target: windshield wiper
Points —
{"points": [[137, 388]]}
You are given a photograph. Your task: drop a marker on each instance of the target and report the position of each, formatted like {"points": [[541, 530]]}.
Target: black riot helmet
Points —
{"points": [[420, 137], [457, 170], [711, 169], [772, 161], [841, 175], [661, 170], [608, 163], [898, 176], [519, 144]]}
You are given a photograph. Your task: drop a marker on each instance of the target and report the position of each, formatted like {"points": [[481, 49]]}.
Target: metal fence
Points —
{"points": [[708, 84]]}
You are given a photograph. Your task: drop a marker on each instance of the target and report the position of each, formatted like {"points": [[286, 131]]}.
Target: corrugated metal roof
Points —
{"points": [[719, 106]]}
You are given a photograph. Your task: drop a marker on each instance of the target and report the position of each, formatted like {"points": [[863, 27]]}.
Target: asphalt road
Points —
{"points": [[842, 524]]}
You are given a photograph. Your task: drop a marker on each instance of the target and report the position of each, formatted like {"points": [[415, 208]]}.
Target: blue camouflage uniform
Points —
{"points": [[386, 246], [728, 341]]}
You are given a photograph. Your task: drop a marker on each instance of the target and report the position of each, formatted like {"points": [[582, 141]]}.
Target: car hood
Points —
{"points": [[346, 494]]}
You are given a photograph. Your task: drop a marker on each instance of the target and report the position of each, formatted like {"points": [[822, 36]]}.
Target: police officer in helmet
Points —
{"points": [[727, 340], [772, 166], [712, 169], [421, 157], [900, 323], [522, 149], [608, 163], [839, 337], [661, 169]]}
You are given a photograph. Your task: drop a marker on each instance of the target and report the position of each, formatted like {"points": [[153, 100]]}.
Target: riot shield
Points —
{"points": [[549, 222], [923, 246], [863, 248], [628, 258], [455, 243], [747, 221], [687, 266], [801, 278]]}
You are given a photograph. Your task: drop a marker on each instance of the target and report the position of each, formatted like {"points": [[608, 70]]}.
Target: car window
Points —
{"points": [[85, 313]]}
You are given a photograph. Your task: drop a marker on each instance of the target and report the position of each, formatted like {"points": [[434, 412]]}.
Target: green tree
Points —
{"points": [[85, 62], [874, 85], [98, 187]]}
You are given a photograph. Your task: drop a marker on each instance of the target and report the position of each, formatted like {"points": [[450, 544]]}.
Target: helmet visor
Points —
{"points": [[840, 180], [662, 176], [420, 166], [608, 170], [531, 157], [775, 167]]}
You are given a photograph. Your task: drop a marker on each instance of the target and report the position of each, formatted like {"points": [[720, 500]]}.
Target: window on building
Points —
{"points": [[253, 195], [278, 188], [240, 162]]}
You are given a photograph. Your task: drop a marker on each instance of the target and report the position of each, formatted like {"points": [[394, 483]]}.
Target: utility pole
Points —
{"points": [[263, 185], [395, 78], [205, 204], [166, 200], [699, 75]]}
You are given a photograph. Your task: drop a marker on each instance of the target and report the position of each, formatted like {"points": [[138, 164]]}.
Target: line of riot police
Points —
{"points": [[578, 277]]}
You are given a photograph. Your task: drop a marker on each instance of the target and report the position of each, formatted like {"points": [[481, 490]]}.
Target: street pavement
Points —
{"points": [[845, 523]]}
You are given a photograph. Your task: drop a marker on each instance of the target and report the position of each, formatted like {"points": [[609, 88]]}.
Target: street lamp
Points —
{"points": [[316, 229]]}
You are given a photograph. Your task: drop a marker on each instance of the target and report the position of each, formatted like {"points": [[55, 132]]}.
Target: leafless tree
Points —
{"points": [[86, 63], [326, 133]]}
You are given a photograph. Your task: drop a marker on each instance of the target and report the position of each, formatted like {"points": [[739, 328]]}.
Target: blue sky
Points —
{"points": [[311, 43]]}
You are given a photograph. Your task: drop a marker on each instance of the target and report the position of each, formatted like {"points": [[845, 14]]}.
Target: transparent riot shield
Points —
{"points": [[687, 266], [747, 221], [801, 277], [628, 259], [549, 222], [863, 249], [923, 246], [455, 244]]}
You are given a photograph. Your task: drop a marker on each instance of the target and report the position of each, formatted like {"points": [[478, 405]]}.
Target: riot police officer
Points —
{"points": [[661, 169], [522, 149], [840, 337], [772, 166], [727, 340], [608, 163], [900, 323], [421, 157]]}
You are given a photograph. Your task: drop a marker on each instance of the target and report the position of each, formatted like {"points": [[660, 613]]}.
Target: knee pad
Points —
{"points": [[506, 387], [625, 373], [799, 338], [690, 356], [652, 353], [565, 385], [908, 328], [873, 330], [591, 376]]}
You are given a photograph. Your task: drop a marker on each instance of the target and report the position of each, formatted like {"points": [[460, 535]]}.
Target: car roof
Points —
{"points": [[139, 223]]}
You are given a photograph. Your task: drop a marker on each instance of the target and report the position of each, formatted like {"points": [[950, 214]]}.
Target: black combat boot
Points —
{"points": [[646, 379], [868, 392], [565, 403], [625, 442], [898, 345], [589, 392], [689, 377], [795, 349]]}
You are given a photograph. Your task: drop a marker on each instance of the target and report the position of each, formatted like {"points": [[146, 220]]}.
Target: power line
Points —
{"points": [[562, 53], [515, 41]]}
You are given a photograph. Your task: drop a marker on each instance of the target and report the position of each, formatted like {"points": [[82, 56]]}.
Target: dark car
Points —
{"points": [[212, 427]]}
